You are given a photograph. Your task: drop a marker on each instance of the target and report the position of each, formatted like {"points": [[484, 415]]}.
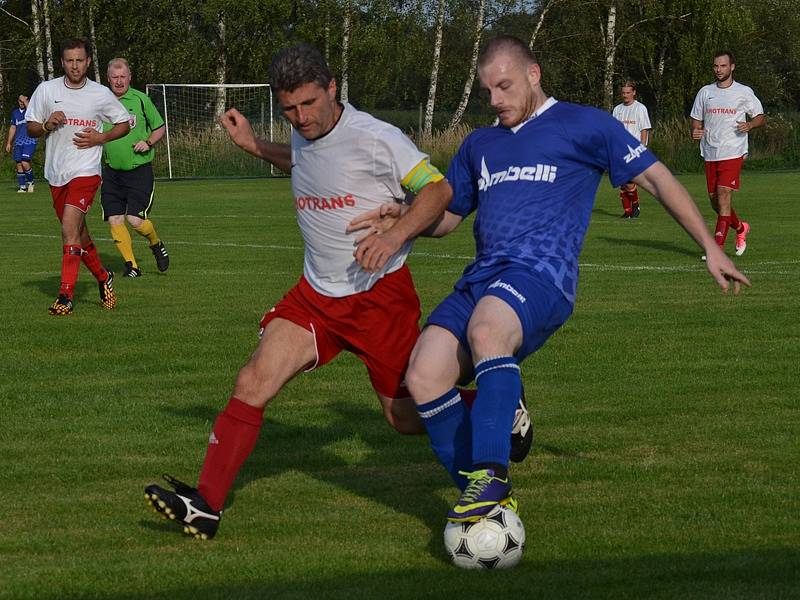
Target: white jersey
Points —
{"points": [[355, 167], [634, 117], [720, 109], [88, 106]]}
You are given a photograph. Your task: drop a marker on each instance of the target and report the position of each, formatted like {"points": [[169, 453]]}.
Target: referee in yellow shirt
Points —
{"points": [[127, 190]]}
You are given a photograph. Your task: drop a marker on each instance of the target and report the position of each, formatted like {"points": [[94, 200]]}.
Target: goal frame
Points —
{"points": [[163, 87]]}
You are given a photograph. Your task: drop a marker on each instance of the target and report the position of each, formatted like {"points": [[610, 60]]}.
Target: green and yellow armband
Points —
{"points": [[420, 176]]}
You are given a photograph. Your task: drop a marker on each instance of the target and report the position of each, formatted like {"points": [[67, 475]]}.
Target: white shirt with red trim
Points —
{"points": [[88, 106], [634, 117], [355, 167], [720, 109]]}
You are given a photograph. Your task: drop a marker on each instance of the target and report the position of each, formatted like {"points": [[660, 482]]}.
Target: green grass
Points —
{"points": [[667, 419]]}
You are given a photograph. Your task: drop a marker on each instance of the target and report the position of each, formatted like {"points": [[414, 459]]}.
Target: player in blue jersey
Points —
{"points": [[23, 146], [532, 181]]}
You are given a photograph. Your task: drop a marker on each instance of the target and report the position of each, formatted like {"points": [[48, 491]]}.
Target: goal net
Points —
{"points": [[195, 144]]}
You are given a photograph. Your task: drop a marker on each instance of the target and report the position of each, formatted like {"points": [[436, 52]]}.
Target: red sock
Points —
{"points": [[626, 201], [468, 396], [92, 261], [70, 265], [735, 222], [634, 197], [721, 231], [232, 439]]}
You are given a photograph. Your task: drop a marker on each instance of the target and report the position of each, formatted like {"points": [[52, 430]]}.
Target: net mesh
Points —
{"points": [[195, 144]]}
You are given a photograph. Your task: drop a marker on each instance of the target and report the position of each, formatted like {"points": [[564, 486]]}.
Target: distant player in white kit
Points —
{"points": [[719, 121], [633, 115], [343, 163], [70, 111]]}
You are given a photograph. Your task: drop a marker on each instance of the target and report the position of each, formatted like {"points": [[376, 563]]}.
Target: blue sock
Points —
{"points": [[21, 179], [499, 388], [29, 175], [447, 420]]}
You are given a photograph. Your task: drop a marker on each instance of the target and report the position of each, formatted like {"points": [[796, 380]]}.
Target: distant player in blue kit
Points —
{"points": [[23, 146], [532, 181]]}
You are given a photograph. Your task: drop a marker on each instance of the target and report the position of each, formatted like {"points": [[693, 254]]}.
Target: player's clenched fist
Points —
{"points": [[239, 129]]}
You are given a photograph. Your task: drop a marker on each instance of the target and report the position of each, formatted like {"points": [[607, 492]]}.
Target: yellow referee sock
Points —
{"points": [[122, 240], [147, 230]]}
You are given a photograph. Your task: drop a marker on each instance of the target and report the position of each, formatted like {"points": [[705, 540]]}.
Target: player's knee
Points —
{"points": [[405, 422], [253, 387], [419, 381], [484, 341]]}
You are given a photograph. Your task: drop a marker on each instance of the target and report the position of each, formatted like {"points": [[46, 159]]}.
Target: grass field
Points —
{"points": [[667, 416]]}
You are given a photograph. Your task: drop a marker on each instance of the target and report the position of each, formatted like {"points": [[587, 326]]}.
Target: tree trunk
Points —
{"points": [[437, 51], [93, 40], [222, 69], [610, 52], [346, 24], [473, 65], [539, 23], [36, 38], [47, 38]]}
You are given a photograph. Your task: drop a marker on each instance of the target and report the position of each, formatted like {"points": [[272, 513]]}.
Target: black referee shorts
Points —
{"points": [[127, 192]]}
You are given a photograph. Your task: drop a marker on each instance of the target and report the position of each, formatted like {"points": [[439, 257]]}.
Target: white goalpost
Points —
{"points": [[195, 144]]}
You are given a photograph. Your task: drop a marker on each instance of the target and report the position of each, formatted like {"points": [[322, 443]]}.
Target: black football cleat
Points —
{"points": [[131, 271], [61, 307], [521, 432], [161, 256], [185, 505], [107, 296]]}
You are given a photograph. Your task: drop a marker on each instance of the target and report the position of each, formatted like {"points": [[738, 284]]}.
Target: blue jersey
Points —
{"points": [[21, 137], [533, 188]]}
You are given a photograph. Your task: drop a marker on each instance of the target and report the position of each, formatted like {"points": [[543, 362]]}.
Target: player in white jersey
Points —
{"points": [[70, 111], [343, 163], [719, 122], [633, 115]]}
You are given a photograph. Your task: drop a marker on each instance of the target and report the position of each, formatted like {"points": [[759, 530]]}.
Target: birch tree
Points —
{"points": [[36, 38], [93, 40], [473, 65], [221, 70], [540, 21], [48, 42], [437, 52], [346, 25]]}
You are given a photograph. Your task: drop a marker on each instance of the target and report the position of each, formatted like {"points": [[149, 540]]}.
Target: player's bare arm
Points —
{"points": [[36, 129], [155, 136], [657, 180], [242, 134], [384, 217], [697, 130], [745, 126], [376, 248], [89, 137], [11, 132]]}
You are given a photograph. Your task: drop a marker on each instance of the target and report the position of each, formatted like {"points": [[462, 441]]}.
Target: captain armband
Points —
{"points": [[420, 176]]}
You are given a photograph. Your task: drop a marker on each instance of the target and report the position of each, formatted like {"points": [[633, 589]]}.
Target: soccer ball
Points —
{"points": [[494, 542]]}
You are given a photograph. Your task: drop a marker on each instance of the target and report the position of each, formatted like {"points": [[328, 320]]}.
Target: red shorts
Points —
{"points": [[380, 326], [79, 193], [723, 173]]}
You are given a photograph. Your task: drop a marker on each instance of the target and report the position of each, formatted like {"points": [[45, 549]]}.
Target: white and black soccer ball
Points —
{"points": [[494, 542]]}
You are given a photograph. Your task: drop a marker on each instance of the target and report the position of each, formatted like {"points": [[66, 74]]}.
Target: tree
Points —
{"points": [[344, 91], [473, 65], [437, 51]]}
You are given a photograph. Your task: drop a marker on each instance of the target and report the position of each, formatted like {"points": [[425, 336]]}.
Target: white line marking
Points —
{"points": [[586, 266]]}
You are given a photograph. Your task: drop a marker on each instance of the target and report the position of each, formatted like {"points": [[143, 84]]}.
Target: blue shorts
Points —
{"points": [[23, 152], [539, 305]]}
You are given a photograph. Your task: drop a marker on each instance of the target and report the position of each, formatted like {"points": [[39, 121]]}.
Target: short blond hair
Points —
{"points": [[118, 62]]}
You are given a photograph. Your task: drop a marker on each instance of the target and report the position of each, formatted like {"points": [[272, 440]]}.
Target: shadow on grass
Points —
{"points": [[404, 486], [48, 286], [738, 574], [654, 245]]}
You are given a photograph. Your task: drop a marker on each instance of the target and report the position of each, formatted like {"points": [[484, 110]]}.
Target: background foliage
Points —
{"points": [[665, 45]]}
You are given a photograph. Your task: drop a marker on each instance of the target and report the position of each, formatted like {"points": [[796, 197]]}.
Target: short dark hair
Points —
{"points": [[727, 53], [76, 42], [509, 44], [296, 66], [628, 83]]}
